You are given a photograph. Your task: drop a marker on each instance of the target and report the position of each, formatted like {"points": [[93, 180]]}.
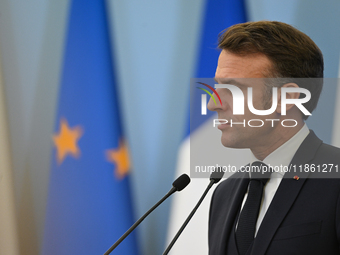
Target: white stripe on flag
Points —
{"points": [[194, 239]]}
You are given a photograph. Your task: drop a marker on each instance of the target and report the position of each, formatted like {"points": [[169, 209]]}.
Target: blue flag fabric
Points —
{"points": [[89, 202], [219, 15]]}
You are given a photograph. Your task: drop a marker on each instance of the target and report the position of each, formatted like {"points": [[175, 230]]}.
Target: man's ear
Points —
{"points": [[290, 95]]}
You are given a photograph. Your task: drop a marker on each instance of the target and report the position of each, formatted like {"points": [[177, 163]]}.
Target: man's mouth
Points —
{"points": [[222, 124]]}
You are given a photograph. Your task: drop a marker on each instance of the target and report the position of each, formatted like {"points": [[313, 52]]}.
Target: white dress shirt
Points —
{"points": [[282, 156]]}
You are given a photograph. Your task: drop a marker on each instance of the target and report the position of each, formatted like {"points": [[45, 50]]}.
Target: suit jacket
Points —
{"points": [[303, 217]]}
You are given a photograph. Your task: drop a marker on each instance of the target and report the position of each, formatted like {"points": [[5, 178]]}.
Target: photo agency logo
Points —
{"points": [[239, 99]]}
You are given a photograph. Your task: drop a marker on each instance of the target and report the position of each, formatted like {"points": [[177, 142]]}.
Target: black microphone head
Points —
{"points": [[181, 182], [217, 175]]}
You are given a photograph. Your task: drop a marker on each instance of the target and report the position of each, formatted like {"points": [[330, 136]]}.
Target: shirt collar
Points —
{"points": [[283, 155]]}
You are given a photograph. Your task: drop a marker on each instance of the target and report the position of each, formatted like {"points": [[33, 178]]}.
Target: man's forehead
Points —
{"points": [[231, 65]]}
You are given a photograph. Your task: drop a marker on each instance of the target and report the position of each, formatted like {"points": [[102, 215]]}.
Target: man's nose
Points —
{"points": [[214, 103]]}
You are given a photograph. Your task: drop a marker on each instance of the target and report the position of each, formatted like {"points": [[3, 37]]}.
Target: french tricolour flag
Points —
{"points": [[219, 15]]}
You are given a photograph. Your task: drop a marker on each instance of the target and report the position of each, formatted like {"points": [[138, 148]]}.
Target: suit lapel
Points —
{"points": [[241, 185], [285, 195]]}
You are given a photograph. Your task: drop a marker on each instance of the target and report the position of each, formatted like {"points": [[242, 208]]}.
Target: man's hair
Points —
{"points": [[292, 53]]}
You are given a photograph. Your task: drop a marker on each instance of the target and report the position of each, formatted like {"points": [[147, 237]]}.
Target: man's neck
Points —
{"points": [[281, 136]]}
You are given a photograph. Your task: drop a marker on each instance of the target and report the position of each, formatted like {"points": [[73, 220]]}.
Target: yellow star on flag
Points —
{"points": [[66, 141], [119, 157]]}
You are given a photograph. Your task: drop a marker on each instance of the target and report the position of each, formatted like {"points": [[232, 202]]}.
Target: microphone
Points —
{"points": [[215, 177], [179, 184]]}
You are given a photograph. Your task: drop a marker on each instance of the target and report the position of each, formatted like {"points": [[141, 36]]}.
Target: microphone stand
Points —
{"points": [[215, 177], [179, 184], [189, 218]]}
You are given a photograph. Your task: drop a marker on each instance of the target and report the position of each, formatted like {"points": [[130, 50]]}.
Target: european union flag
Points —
{"points": [[89, 201]]}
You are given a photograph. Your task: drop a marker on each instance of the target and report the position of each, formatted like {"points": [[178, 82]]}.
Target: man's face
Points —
{"points": [[231, 66]]}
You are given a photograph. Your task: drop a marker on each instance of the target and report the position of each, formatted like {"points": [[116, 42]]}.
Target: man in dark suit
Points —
{"points": [[298, 211]]}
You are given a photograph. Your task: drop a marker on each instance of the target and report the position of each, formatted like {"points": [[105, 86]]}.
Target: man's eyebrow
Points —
{"points": [[230, 81]]}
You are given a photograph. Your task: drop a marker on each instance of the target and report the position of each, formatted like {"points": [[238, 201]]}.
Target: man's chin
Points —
{"points": [[232, 144]]}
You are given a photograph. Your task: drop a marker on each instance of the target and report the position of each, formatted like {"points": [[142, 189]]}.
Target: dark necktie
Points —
{"points": [[247, 221]]}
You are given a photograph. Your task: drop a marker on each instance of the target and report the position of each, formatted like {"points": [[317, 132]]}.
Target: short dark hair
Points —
{"points": [[293, 54]]}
